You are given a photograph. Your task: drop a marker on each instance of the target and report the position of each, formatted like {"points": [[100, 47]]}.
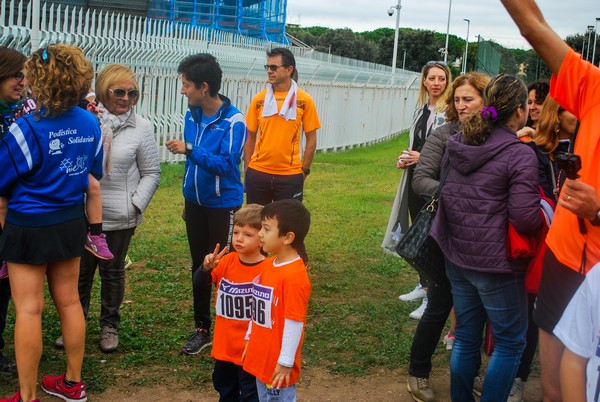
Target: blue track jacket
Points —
{"points": [[212, 171], [45, 164]]}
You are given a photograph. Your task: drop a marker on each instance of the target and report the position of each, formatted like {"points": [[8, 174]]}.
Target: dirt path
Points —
{"points": [[316, 385]]}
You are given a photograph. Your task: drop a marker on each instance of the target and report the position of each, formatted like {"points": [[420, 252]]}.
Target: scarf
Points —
{"points": [[109, 124], [288, 109]]}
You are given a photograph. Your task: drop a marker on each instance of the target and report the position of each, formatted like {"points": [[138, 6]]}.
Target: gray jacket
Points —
{"points": [[129, 184], [428, 171]]}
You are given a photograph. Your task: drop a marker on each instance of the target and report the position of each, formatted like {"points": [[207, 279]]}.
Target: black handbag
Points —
{"points": [[418, 249]]}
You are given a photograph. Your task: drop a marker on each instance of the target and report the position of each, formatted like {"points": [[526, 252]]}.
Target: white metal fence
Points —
{"points": [[356, 102]]}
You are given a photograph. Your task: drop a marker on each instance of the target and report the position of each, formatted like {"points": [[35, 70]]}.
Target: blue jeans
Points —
{"points": [[500, 298], [283, 394]]}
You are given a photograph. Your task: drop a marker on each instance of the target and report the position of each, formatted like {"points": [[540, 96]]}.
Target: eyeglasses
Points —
{"points": [[434, 62], [19, 77], [273, 67], [120, 93]]}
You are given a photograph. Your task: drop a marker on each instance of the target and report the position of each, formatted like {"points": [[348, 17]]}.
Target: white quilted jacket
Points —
{"points": [[134, 175]]}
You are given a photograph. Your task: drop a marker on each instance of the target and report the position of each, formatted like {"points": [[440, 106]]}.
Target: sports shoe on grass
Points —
{"points": [[4, 270], [517, 391], [16, 398], [417, 293], [197, 341], [56, 386], [59, 343], [449, 340], [419, 389], [97, 246], [109, 339], [418, 313], [7, 367]]}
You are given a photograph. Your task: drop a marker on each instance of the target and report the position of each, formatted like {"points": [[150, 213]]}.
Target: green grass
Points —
{"points": [[355, 322]]}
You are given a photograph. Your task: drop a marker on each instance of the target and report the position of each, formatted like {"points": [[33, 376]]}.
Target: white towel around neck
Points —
{"points": [[288, 109]]}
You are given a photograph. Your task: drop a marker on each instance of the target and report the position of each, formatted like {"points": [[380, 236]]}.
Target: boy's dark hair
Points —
{"points": [[249, 216], [202, 67], [291, 216], [287, 57]]}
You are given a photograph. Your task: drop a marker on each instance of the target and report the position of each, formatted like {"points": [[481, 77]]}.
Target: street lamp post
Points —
{"points": [[397, 7], [447, 33], [590, 28], [464, 69], [595, 37]]}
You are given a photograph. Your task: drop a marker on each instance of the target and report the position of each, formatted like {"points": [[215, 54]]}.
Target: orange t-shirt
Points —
{"points": [[280, 292], [277, 149], [577, 89], [233, 305]]}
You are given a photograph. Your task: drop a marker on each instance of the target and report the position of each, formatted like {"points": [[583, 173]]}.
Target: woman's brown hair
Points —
{"points": [[546, 133], [477, 80], [11, 62], [505, 93]]}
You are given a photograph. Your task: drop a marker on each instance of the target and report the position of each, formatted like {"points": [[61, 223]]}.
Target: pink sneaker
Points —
{"points": [[56, 386], [97, 246], [16, 398], [4, 270]]}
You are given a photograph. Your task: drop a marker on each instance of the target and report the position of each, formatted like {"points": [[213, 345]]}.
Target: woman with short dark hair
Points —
{"points": [[214, 137]]}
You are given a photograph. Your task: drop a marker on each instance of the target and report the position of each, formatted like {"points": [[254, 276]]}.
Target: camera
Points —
{"points": [[570, 163], [391, 11]]}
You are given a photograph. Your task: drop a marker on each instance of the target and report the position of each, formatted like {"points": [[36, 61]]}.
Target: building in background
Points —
{"points": [[263, 19]]}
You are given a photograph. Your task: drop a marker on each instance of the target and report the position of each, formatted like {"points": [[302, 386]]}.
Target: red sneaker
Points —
{"points": [[16, 398], [56, 386]]}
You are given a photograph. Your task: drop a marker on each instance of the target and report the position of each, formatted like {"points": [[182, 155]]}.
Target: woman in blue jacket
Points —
{"points": [[492, 180], [215, 134], [45, 159]]}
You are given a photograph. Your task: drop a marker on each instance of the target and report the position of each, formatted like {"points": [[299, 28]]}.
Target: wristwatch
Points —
{"points": [[596, 220], [188, 148], [306, 171]]}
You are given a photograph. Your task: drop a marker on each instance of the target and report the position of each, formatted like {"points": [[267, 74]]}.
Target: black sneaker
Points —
{"points": [[7, 367], [197, 341]]}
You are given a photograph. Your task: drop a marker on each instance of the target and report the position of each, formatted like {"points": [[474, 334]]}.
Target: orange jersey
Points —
{"points": [[577, 89], [233, 305], [281, 292], [277, 149]]}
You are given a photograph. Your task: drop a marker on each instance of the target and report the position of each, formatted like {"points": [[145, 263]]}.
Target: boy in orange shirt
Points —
{"points": [[233, 274], [281, 296]]}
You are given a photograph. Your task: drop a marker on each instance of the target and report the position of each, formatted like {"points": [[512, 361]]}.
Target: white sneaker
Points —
{"points": [[449, 340], [418, 313], [416, 294]]}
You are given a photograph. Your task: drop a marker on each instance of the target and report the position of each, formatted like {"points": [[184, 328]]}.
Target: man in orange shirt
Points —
{"points": [[574, 236]]}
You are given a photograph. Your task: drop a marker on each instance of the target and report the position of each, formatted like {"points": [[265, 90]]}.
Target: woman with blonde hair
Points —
{"points": [[45, 159], [131, 177], [429, 114]]}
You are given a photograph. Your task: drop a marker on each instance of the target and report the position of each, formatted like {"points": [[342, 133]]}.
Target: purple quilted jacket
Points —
{"points": [[487, 186]]}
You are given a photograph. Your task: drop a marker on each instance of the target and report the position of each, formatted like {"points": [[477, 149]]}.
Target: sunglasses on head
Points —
{"points": [[434, 62], [120, 93], [273, 67], [19, 77]]}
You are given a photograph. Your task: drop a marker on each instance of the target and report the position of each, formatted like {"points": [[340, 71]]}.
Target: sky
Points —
{"points": [[488, 17]]}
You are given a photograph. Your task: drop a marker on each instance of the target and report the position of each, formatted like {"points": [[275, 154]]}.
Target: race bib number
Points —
{"points": [[261, 308], [234, 300]]}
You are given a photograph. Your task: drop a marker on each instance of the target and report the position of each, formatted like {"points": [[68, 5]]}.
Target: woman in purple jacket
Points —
{"points": [[492, 180]]}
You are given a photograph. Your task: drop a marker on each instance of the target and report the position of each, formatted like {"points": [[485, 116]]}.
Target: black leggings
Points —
{"points": [[205, 228]]}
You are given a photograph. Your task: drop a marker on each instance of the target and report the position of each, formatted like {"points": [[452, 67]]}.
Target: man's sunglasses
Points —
{"points": [[273, 67], [120, 93]]}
